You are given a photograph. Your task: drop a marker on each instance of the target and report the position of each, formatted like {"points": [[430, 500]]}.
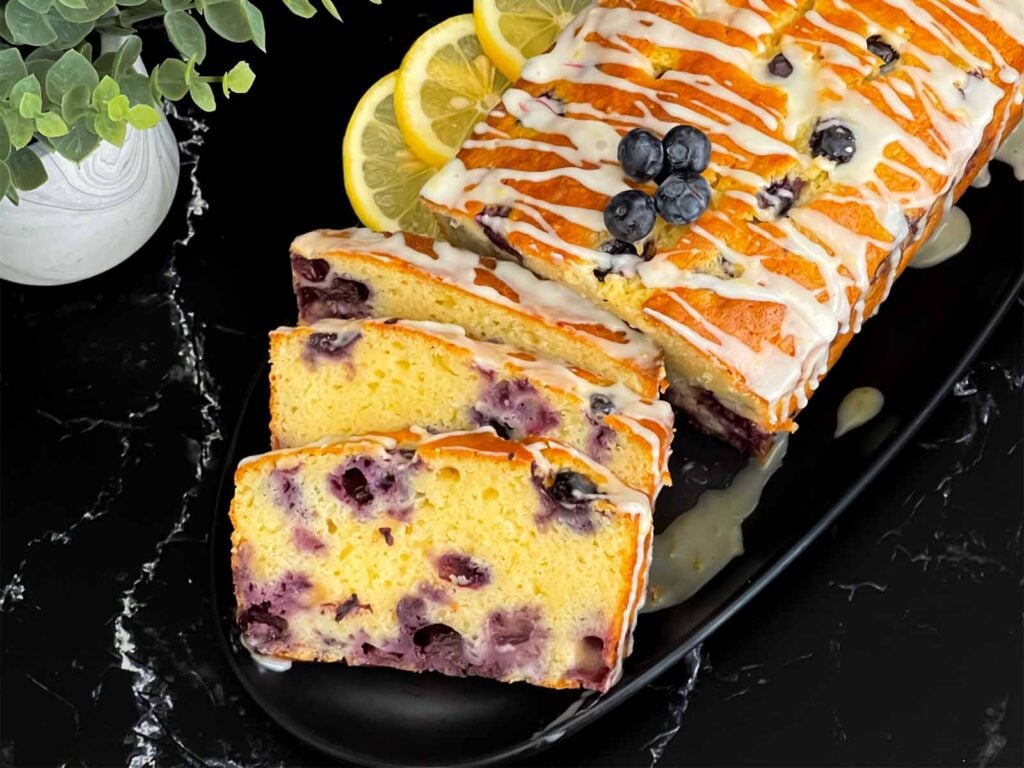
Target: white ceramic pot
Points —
{"points": [[88, 218]]}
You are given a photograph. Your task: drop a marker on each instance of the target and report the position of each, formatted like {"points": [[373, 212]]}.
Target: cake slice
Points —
{"points": [[840, 132], [359, 273], [465, 554], [350, 377]]}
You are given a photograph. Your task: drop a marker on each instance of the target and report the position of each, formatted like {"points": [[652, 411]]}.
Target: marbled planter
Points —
{"points": [[90, 217]]}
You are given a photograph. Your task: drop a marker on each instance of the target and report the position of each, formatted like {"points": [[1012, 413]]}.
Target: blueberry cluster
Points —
{"points": [[675, 162]]}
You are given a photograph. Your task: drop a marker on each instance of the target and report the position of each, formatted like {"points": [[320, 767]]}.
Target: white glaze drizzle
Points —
{"points": [[949, 239], [948, 109], [859, 407], [700, 542]]}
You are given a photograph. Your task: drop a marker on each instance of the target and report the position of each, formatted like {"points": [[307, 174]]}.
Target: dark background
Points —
{"points": [[896, 640]]}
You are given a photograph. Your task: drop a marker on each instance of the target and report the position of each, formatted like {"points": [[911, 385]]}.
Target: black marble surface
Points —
{"points": [[896, 640]]}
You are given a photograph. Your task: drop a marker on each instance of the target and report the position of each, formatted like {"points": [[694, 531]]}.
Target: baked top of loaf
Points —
{"points": [[360, 273], [349, 377], [757, 298], [462, 553]]}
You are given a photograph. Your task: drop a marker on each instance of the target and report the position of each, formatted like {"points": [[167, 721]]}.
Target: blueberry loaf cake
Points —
{"points": [[465, 554], [359, 273], [349, 377], [741, 180]]}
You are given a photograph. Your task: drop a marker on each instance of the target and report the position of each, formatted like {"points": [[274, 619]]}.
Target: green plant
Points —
{"points": [[57, 88]]}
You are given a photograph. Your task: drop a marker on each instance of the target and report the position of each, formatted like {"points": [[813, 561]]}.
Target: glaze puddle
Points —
{"points": [[950, 237], [702, 541], [859, 407]]}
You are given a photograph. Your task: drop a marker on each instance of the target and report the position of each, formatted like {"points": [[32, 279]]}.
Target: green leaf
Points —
{"points": [[51, 125], [93, 10], [27, 171], [86, 50], [302, 8], [79, 142], [126, 56], [143, 116], [12, 194], [76, 104], [136, 88], [12, 69], [202, 95], [5, 142], [27, 26], [106, 90], [117, 108], [5, 178], [30, 105], [20, 129], [170, 79], [39, 6], [39, 68], [238, 79], [131, 3], [331, 9], [177, 5], [186, 34], [46, 53], [113, 131], [27, 84], [77, 4], [69, 33], [104, 64], [228, 18], [150, 9], [259, 30], [70, 70]]}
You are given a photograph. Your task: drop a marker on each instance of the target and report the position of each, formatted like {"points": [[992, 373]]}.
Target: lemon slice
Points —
{"points": [[511, 31], [382, 177], [446, 85]]}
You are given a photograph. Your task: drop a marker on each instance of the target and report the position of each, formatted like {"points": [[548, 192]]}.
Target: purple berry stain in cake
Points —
{"points": [[568, 498], [600, 437], [591, 668], [321, 294], [285, 492], [462, 570], [514, 408], [264, 609], [330, 345], [514, 640], [375, 486], [389, 538], [307, 541]]}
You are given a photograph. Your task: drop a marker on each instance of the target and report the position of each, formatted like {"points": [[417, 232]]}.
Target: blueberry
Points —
{"points": [[630, 215], [357, 486], [780, 195], [683, 197], [314, 270], [641, 154], [331, 345], [833, 140], [350, 605], [571, 487], [780, 66], [462, 570], [881, 49], [617, 247], [601, 405], [687, 149]]}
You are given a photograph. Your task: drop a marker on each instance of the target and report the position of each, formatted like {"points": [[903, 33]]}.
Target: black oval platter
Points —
{"points": [[926, 334]]}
